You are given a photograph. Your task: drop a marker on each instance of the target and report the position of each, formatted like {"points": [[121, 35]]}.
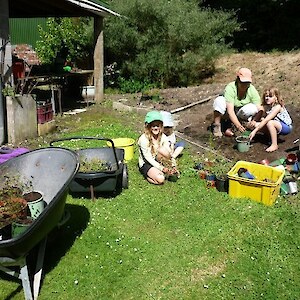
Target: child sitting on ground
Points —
{"points": [[274, 118], [168, 130], [154, 150]]}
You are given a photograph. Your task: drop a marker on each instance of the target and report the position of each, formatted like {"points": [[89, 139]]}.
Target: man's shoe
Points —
{"points": [[216, 130]]}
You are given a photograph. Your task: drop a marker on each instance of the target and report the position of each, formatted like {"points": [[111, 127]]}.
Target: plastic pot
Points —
{"points": [[243, 143]]}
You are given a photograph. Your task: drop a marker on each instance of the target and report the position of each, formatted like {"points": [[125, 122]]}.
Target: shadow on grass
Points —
{"points": [[59, 241], [97, 195], [62, 238]]}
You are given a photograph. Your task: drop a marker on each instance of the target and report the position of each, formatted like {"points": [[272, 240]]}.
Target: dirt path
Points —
{"points": [[280, 70]]}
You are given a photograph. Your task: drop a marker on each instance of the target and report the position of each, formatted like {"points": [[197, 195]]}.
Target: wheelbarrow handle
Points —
{"points": [[82, 138], [88, 138]]}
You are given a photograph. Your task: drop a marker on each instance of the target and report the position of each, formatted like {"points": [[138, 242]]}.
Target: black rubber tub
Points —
{"points": [[49, 170], [113, 179]]}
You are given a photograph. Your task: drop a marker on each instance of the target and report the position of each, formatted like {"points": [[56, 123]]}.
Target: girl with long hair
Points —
{"points": [[153, 148], [275, 119]]}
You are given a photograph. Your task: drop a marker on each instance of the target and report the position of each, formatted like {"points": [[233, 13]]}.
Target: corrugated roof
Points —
{"points": [[58, 8]]}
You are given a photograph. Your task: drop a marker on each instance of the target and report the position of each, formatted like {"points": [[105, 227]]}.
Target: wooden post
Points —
{"points": [[5, 63], [98, 59]]}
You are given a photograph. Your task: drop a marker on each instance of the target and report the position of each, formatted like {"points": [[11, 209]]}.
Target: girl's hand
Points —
{"points": [[252, 134], [165, 170]]}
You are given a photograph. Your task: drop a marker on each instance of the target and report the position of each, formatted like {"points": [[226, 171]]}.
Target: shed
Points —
{"points": [[50, 8]]}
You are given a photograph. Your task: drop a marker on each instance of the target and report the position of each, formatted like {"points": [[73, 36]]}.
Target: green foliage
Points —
{"points": [[169, 43], [261, 31], [8, 91], [65, 39], [133, 85]]}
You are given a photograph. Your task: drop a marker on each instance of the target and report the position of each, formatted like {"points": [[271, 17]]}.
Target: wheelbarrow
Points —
{"points": [[111, 179], [49, 170]]}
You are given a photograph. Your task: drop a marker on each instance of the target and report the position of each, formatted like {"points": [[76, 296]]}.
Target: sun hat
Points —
{"points": [[167, 119], [244, 74], [153, 115]]}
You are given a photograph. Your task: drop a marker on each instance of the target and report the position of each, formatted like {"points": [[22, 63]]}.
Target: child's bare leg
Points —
{"points": [[274, 127], [163, 153], [155, 176]]}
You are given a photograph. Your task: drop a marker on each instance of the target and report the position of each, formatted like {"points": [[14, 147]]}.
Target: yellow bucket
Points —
{"points": [[126, 144]]}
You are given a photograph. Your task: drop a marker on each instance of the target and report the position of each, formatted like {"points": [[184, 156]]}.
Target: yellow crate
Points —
{"points": [[264, 188]]}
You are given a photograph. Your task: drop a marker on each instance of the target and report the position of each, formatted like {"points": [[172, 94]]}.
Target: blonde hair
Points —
{"points": [[148, 134], [274, 92]]}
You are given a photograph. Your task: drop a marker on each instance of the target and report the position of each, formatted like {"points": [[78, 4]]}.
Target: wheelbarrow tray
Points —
{"points": [[110, 180], [102, 181], [50, 171]]}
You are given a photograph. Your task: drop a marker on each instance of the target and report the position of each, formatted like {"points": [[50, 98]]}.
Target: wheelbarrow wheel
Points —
{"points": [[125, 183]]}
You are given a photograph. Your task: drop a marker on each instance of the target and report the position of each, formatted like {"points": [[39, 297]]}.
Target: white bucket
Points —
{"points": [[88, 91]]}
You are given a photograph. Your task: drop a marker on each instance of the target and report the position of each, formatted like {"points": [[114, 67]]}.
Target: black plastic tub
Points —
{"points": [[113, 179], [49, 170]]}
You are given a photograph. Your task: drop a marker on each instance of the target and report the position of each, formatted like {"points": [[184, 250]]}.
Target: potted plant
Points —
{"points": [[13, 203], [12, 207], [221, 170], [173, 173], [35, 202]]}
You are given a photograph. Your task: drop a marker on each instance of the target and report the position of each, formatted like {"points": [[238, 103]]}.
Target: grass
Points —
{"points": [[177, 241]]}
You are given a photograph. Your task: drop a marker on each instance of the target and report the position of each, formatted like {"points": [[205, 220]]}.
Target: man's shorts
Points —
{"points": [[243, 113]]}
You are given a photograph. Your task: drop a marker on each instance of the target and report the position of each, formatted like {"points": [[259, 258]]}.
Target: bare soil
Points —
{"points": [[280, 70]]}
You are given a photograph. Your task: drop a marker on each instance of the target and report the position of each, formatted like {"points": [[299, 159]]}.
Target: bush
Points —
{"points": [[65, 39], [169, 43]]}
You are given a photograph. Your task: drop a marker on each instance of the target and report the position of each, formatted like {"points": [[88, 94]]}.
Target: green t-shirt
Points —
{"points": [[231, 96]]}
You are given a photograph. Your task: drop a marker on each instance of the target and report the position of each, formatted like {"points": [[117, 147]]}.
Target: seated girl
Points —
{"points": [[274, 118], [153, 149]]}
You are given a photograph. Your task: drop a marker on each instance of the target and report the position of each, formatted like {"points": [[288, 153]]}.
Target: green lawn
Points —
{"points": [[177, 241]]}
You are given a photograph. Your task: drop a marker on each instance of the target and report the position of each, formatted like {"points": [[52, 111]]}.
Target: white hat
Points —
{"points": [[167, 119]]}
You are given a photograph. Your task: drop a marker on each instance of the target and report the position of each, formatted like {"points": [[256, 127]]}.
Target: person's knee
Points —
{"points": [[247, 111], [219, 105], [158, 179]]}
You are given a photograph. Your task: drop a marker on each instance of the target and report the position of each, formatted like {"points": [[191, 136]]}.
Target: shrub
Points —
{"points": [[169, 43]]}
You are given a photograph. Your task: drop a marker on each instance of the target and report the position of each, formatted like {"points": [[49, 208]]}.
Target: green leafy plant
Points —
{"points": [[92, 165], [13, 206], [151, 94], [8, 91], [133, 85]]}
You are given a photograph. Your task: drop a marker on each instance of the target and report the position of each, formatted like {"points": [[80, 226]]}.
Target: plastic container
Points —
{"points": [[126, 144], [264, 188], [243, 143], [44, 113]]}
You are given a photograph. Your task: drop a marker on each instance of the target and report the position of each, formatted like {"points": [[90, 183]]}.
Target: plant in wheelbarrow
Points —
{"points": [[93, 165], [18, 206], [13, 207]]}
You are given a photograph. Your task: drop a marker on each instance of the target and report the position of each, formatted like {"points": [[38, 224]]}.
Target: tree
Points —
{"points": [[266, 25], [65, 39], [169, 43]]}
